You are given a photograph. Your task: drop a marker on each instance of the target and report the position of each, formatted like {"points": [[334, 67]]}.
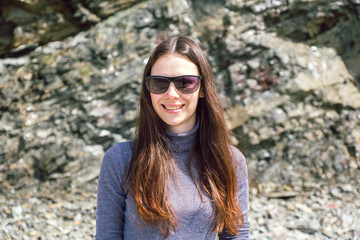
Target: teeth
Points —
{"points": [[172, 108]]}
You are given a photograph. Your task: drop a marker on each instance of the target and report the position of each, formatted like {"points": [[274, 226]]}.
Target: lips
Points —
{"points": [[173, 107]]}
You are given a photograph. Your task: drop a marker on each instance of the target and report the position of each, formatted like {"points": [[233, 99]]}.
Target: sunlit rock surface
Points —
{"points": [[287, 73]]}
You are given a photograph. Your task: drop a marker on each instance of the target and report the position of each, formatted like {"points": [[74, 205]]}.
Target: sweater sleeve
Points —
{"points": [[111, 195], [243, 196]]}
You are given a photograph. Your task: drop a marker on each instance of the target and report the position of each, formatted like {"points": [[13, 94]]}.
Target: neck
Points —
{"points": [[182, 142]]}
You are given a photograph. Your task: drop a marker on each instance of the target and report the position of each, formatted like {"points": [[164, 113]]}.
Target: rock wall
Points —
{"points": [[28, 24], [287, 72]]}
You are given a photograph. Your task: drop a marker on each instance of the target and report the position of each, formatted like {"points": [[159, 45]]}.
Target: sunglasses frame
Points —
{"points": [[172, 80]]}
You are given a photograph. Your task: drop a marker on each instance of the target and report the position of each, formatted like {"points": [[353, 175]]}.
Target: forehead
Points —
{"points": [[174, 64]]}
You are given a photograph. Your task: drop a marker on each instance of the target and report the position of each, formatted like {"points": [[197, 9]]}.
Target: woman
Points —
{"points": [[179, 178]]}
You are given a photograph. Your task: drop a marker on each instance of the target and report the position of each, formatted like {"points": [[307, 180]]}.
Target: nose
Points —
{"points": [[172, 92]]}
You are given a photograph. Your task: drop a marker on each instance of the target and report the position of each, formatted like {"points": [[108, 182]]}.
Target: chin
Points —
{"points": [[172, 123]]}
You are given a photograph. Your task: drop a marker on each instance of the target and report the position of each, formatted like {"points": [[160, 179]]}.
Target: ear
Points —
{"points": [[201, 93]]}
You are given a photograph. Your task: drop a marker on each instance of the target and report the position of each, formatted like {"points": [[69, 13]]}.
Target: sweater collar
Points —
{"points": [[183, 142]]}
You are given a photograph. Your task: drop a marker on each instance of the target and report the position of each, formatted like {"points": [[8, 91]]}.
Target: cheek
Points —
{"points": [[154, 99], [193, 98]]}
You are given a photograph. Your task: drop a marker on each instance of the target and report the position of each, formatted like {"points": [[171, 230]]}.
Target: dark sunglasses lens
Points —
{"points": [[157, 85], [187, 84]]}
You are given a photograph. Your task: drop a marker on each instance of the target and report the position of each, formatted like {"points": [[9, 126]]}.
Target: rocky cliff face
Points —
{"points": [[282, 70], [28, 24], [287, 72]]}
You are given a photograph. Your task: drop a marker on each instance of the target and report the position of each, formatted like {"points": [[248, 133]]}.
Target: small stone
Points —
{"points": [[17, 211], [347, 188], [335, 192]]}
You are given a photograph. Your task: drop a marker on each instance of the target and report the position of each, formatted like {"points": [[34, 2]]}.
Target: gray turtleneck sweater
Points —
{"points": [[117, 216]]}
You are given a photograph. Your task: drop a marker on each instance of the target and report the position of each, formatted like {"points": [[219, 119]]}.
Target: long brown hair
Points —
{"points": [[151, 166]]}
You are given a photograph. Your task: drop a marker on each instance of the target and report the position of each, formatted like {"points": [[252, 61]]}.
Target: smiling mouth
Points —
{"points": [[173, 107]]}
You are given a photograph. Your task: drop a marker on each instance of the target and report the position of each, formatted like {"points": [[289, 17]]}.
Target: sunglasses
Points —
{"points": [[186, 84]]}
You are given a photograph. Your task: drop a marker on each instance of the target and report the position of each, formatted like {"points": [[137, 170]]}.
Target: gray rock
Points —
{"points": [[287, 73]]}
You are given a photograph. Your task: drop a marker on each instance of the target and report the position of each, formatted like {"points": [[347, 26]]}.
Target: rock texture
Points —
{"points": [[287, 73], [26, 24]]}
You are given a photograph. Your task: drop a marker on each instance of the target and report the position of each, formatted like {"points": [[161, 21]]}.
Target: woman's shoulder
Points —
{"points": [[119, 154], [239, 158], [241, 167], [121, 147], [237, 154]]}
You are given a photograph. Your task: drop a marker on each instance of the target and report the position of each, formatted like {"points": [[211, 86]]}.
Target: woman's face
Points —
{"points": [[177, 110]]}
